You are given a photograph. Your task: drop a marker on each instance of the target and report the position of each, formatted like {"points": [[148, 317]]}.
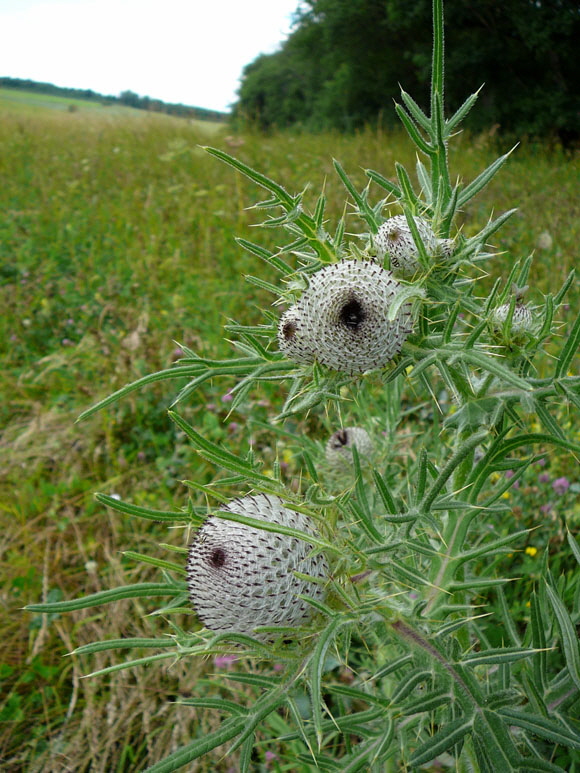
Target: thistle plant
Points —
{"points": [[386, 605]]}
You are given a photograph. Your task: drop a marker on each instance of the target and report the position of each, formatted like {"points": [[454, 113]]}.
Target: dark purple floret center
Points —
{"points": [[351, 314], [217, 558]]}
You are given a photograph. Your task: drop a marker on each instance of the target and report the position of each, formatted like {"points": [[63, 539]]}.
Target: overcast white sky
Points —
{"points": [[188, 51]]}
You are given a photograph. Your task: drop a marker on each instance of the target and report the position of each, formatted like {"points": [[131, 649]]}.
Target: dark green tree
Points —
{"points": [[342, 65]]}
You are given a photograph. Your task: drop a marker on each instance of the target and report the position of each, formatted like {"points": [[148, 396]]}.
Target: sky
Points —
{"points": [[184, 51]]}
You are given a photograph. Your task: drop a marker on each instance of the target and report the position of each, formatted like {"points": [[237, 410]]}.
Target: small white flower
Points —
{"points": [[340, 445], [240, 577], [394, 238], [342, 319]]}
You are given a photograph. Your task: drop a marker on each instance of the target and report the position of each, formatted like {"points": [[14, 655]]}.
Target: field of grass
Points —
{"points": [[116, 241]]}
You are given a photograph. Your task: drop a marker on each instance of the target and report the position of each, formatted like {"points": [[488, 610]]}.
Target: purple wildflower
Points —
{"points": [[224, 661], [228, 397], [545, 509], [543, 477], [561, 486]]}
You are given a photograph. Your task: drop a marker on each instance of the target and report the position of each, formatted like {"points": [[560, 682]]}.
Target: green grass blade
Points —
{"points": [[413, 132], [143, 512], [269, 257], [542, 726], [361, 202], [220, 704], [123, 644], [200, 746], [275, 528], [384, 183], [285, 199], [139, 590], [461, 113], [415, 111], [444, 739], [384, 493], [218, 455], [569, 350], [160, 563], [152, 378], [568, 635], [483, 179], [497, 656], [325, 639]]}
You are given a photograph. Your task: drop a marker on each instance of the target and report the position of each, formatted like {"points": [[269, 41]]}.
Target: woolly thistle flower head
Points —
{"points": [[240, 577], [394, 238], [340, 445], [342, 319]]}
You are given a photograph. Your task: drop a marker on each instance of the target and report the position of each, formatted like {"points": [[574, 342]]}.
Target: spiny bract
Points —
{"points": [[342, 319], [340, 444], [394, 238], [240, 577]]}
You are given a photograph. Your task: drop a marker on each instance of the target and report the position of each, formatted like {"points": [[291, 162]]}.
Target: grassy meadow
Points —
{"points": [[116, 241]]}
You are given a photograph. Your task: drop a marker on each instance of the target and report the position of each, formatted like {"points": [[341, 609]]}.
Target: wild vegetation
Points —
{"points": [[116, 242]]}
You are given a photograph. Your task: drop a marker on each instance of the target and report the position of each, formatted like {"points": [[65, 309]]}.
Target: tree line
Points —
{"points": [[128, 98], [346, 60]]}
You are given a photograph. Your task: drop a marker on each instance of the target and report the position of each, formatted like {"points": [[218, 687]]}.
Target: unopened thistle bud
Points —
{"points": [[340, 445], [240, 577], [394, 238], [522, 321], [342, 319]]}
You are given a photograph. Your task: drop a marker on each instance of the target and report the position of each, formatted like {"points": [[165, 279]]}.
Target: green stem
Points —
{"points": [[439, 161]]}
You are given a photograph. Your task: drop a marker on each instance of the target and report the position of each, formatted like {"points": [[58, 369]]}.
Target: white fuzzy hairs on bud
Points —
{"points": [[394, 238], [339, 447], [240, 577], [342, 319]]}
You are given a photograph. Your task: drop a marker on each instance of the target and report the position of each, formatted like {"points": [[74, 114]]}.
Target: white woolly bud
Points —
{"points": [[340, 445], [394, 238], [240, 577], [522, 320], [342, 319], [522, 324]]}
